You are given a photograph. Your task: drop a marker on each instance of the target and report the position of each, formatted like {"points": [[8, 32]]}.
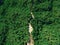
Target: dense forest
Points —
{"points": [[15, 16]]}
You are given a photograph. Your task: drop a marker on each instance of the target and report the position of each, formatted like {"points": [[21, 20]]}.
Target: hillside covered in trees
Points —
{"points": [[15, 18]]}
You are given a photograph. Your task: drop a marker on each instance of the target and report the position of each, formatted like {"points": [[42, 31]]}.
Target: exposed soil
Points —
{"points": [[31, 41]]}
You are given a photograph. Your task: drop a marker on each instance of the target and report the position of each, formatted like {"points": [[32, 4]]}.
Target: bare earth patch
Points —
{"points": [[31, 41]]}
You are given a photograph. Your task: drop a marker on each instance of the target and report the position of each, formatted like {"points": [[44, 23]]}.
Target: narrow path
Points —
{"points": [[30, 31], [32, 15]]}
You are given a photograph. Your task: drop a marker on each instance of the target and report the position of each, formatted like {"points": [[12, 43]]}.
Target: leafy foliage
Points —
{"points": [[14, 23], [15, 16], [46, 22]]}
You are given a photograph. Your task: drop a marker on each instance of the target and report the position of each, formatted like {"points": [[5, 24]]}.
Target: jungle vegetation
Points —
{"points": [[15, 16]]}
